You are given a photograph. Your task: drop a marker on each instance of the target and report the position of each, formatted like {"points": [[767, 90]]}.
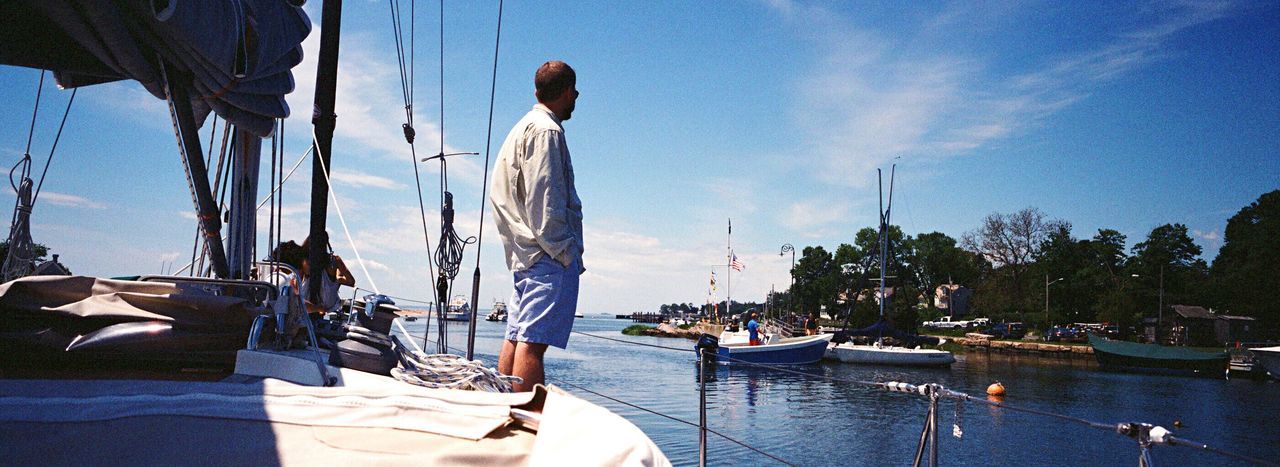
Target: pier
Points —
{"points": [[644, 317], [975, 340]]}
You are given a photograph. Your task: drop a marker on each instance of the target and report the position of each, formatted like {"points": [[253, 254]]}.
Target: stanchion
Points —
{"points": [[933, 425], [702, 407]]}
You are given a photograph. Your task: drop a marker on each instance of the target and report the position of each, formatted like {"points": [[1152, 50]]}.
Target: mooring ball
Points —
{"points": [[995, 389]]}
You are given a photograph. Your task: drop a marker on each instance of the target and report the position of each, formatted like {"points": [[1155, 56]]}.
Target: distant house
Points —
{"points": [[1197, 326], [952, 299]]}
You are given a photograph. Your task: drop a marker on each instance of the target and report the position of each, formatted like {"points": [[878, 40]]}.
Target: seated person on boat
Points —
{"points": [[336, 275]]}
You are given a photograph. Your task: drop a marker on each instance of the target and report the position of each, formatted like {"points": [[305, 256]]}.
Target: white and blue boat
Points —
{"points": [[800, 350]]}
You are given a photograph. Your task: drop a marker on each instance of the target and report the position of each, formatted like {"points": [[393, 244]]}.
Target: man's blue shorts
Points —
{"points": [[543, 303]]}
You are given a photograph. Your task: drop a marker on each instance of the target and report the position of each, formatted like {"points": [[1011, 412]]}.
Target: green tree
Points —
{"points": [[938, 260], [40, 250], [1010, 242], [1246, 273], [1169, 261], [1107, 275], [815, 282]]}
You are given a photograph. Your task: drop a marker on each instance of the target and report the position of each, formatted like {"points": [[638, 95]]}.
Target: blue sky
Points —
{"points": [[772, 113]]}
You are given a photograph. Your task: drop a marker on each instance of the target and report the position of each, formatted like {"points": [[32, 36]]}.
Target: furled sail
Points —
{"points": [[234, 57]]}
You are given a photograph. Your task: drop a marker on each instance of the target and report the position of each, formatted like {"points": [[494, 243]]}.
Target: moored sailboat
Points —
{"points": [[880, 352]]}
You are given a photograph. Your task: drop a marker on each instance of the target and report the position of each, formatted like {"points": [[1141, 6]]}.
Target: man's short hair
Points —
{"points": [[552, 79]]}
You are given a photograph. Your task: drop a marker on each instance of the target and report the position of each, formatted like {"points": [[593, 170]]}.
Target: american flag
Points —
{"points": [[713, 280], [737, 265]]}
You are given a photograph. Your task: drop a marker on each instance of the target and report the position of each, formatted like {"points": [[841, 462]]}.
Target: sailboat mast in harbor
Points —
{"points": [[728, 273]]}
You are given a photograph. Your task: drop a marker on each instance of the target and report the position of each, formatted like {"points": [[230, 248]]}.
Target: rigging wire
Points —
{"points": [[36, 194], [444, 287], [484, 184], [195, 243], [34, 111], [631, 342], [271, 213], [21, 246], [284, 178], [406, 90], [324, 170]]}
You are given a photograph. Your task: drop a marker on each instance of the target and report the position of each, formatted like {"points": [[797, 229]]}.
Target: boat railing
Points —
{"points": [[259, 292]]}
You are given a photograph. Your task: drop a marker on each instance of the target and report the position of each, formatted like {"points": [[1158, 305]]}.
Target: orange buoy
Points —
{"points": [[995, 389]]}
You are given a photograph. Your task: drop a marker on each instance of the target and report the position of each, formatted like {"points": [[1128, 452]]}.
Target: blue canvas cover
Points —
{"points": [[234, 57]]}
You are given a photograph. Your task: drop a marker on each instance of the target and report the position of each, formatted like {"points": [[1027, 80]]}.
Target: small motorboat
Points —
{"points": [[734, 348], [499, 312]]}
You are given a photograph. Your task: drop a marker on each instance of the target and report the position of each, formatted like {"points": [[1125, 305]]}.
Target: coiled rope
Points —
{"points": [[444, 370]]}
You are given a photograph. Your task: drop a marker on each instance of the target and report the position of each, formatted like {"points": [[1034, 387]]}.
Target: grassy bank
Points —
{"points": [[636, 329]]}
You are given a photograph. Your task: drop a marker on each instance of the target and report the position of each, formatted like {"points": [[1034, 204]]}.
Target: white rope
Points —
{"points": [[449, 371], [334, 195], [286, 178], [405, 332]]}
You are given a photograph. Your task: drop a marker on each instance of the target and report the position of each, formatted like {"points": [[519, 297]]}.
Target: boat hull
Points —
{"points": [[1269, 358], [1152, 358], [889, 355], [791, 351]]}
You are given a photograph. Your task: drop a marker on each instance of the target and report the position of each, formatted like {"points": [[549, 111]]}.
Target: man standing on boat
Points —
{"points": [[753, 330], [539, 218], [811, 325]]}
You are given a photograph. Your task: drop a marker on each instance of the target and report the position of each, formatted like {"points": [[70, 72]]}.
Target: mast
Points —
{"points": [[728, 273], [197, 173], [884, 232], [246, 151], [324, 121]]}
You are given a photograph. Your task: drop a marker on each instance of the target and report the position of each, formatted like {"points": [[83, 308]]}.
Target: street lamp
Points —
{"points": [[791, 293], [1047, 283], [1159, 303]]}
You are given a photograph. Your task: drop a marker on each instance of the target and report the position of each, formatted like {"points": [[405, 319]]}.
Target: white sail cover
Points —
{"points": [[234, 56], [270, 422]]}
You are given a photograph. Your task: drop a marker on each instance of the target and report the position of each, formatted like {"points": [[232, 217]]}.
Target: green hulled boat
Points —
{"points": [[1132, 356]]}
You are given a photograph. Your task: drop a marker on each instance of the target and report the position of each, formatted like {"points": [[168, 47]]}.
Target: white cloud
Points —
{"points": [[810, 216], [359, 179], [872, 97], [1212, 236], [62, 199]]}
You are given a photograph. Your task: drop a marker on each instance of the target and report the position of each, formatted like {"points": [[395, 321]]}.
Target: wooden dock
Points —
{"points": [[985, 342]]}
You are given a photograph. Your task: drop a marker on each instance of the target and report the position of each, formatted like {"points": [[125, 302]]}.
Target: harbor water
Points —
{"points": [[824, 420]]}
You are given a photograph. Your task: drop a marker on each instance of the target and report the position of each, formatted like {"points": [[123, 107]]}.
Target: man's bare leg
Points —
{"points": [[528, 364], [506, 358]]}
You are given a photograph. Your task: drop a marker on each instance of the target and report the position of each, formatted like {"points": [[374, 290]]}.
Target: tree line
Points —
{"points": [[1011, 259]]}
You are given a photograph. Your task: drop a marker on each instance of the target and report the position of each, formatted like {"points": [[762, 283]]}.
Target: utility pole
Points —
{"points": [[1160, 303], [1047, 283]]}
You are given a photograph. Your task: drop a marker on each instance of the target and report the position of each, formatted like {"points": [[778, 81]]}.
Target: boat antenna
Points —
{"points": [[484, 187]]}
